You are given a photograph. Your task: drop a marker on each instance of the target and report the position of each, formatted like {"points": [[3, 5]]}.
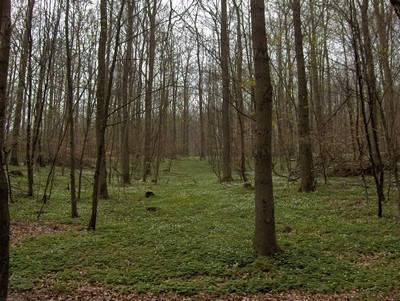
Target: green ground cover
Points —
{"points": [[195, 236]]}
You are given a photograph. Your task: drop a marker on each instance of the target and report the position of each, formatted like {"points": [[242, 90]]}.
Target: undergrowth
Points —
{"points": [[195, 236]]}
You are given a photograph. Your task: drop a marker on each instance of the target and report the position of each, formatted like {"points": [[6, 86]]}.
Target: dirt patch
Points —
{"points": [[23, 229]]}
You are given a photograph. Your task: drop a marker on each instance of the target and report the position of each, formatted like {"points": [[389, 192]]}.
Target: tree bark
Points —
{"points": [[152, 9], [389, 110], [373, 101], [265, 242], [103, 99], [226, 131], [316, 97], [201, 92], [70, 112], [125, 177], [185, 123], [239, 93], [305, 150], [5, 38], [21, 85], [101, 114]]}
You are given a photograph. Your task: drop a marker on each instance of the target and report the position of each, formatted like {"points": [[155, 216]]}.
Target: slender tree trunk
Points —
{"points": [[138, 102], [239, 93], [200, 91], [265, 242], [28, 154], [21, 85], [317, 99], [174, 105], [70, 112], [185, 125], [103, 99], [149, 90], [226, 130], [373, 101], [305, 151], [101, 114], [5, 38], [89, 112], [125, 177], [388, 110]]}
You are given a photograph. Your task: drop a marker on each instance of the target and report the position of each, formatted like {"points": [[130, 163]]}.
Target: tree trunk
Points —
{"points": [[316, 97], [5, 38], [152, 9], [200, 90], [389, 109], [373, 101], [21, 86], [174, 108], [101, 114], [305, 151], [70, 112], [226, 131], [265, 242], [239, 93], [125, 177], [103, 100], [185, 125]]}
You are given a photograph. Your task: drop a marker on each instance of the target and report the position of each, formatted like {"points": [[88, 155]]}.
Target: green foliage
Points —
{"points": [[199, 238]]}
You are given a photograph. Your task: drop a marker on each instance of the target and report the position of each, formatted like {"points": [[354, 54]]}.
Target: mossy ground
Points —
{"points": [[197, 238]]}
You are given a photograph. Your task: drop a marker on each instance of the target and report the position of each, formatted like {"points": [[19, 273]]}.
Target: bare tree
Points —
{"points": [[226, 130], [125, 177], [5, 38], [200, 68], [70, 112], [104, 102], [371, 122], [239, 93], [305, 151], [21, 85], [152, 9], [101, 109], [265, 242]]}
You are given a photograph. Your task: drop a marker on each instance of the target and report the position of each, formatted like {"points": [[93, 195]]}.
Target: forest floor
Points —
{"points": [[192, 241], [21, 230]]}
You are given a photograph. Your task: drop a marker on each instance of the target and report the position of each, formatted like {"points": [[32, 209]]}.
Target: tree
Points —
{"points": [[152, 9], [226, 131], [186, 96], [239, 92], [21, 85], [200, 89], [70, 112], [389, 122], [371, 120], [125, 177], [305, 151], [5, 41], [265, 242], [101, 110], [103, 100]]}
